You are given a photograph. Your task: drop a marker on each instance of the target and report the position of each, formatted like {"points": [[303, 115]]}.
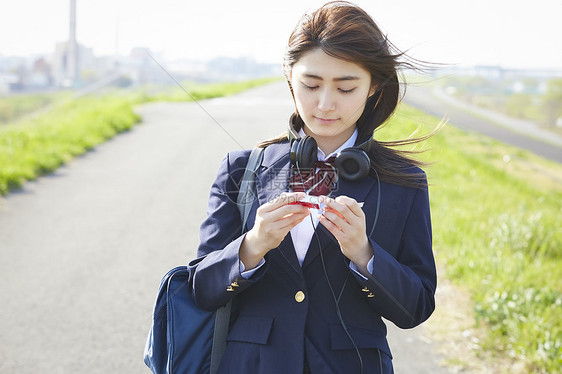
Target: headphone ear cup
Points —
{"points": [[353, 164], [304, 152]]}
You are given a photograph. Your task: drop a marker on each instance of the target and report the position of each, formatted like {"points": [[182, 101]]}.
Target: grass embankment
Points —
{"points": [[525, 97], [33, 147], [39, 146], [496, 214], [202, 91], [14, 107]]}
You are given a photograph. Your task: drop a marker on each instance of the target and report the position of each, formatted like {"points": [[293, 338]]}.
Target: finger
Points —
{"points": [[347, 206], [286, 210], [273, 205], [284, 199], [287, 223], [273, 233], [339, 207], [334, 229], [336, 218], [352, 204]]}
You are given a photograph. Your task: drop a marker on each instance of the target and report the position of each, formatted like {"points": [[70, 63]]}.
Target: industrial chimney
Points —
{"points": [[72, 51]]}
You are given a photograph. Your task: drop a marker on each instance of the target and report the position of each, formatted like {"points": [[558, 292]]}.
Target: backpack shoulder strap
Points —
{"points": [[246, 196], [247, 193]]}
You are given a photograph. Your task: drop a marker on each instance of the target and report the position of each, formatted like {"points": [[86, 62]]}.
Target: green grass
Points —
{"points": [[32, 147], [541, 105], [496, 214], [200, 91], [38, 146], [14, 107]]}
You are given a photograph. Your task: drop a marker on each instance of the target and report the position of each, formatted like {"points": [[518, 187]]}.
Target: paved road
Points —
{"points": [[83, 250], [512, 131]]}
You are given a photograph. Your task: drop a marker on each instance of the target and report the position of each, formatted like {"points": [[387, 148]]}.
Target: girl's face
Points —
{"points": [[330, 95]]}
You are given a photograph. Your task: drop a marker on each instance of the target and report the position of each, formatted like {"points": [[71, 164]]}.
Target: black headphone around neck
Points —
{"points": [[353, 164]]}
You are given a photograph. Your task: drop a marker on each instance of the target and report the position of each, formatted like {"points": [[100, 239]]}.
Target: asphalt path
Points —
{"points": [[522, 134], [83, 250]]}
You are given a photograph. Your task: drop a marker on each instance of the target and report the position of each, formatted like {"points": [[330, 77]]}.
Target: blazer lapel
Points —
{"points": [[276, 168], [320, 236], [271, 183], [358, 190], [284, 254]]}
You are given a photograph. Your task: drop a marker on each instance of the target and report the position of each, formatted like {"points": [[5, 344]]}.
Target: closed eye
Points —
{"points": [[310, 88], [347, 91]]}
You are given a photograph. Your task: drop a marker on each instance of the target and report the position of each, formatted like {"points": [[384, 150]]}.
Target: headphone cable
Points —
{"points": [[378, 202], [338, 298]]}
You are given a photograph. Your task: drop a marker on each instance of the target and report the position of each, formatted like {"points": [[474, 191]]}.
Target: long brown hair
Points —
{"points": [[343, 30]]}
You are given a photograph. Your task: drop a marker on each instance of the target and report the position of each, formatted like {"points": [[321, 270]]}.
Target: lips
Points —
{"points": [[325, 120]]}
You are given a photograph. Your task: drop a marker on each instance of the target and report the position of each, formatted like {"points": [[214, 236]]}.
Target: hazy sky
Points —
{"points": [[514, 33]]}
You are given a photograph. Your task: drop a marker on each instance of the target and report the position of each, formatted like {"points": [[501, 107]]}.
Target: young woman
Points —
{"points": [[309, 286]]}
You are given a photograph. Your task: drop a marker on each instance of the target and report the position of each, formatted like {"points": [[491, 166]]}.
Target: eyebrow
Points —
{"points": [[338, 79]]}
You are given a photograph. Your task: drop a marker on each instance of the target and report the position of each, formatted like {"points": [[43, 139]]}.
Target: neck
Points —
{"points": [[327, 147], [329, 144]]}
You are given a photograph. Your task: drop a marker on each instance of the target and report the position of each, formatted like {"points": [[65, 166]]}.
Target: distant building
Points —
{"points": [[40, 75], [143, 68], [489, 72], [239, 68], [7, 80], [85, 60], [492, 79]]}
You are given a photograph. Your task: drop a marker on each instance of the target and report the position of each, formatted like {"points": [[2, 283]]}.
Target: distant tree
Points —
{"points": [[517, 105], [552, 101], [88, 76], [123, 81], [531, 85], [6, 110]]}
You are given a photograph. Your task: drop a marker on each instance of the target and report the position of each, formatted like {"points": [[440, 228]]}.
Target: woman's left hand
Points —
{"points": [[345, 219]]}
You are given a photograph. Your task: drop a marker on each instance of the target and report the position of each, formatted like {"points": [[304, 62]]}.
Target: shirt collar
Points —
{"points": [[347, 144]]}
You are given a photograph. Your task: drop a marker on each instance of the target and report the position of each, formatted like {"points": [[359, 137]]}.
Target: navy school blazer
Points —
{"points": [[286, 312]]}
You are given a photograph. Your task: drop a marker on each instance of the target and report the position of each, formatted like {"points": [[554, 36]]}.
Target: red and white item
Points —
{"points": [[308, 201]]}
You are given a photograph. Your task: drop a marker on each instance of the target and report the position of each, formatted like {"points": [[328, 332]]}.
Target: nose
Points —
{"points": [[326, 101]]}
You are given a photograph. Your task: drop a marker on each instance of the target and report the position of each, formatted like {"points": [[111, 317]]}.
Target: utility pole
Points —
{"points": [[116, 54], [72, 50]]}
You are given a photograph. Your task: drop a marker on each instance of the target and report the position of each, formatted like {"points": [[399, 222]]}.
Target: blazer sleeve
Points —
{"points": [[215, 273], [402, 287]]}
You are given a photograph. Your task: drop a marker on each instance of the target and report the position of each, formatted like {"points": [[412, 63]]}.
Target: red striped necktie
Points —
{"points": [[318, 181]]}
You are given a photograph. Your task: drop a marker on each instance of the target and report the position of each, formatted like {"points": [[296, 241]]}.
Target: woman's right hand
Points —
{"points": [[273, 222]]}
